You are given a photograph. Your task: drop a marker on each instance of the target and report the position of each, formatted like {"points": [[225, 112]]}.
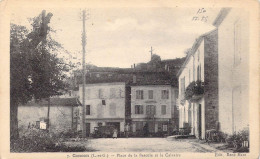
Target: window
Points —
{"points": [[139, 126], [87, 109], [139, 109], [237, 43], [176, 93], [100, 93], [182, 88], [189, 75], [112, 109], [112, 92], [198, 73], [139, 94], [164, 127], [103, 102], [163, 109], [165, 94], [198, 55], [150, 94], [150, 110]]}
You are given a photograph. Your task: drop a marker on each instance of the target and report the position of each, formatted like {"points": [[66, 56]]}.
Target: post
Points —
{"points": [[83, 75], [48, 115]]}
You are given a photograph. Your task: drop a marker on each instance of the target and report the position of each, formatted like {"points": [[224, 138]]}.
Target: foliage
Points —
{"points": [[194, 88], [156, 59], [236, 140], [35, 69], [35, 72], [187, 51], [68, 134], [35, 140]]}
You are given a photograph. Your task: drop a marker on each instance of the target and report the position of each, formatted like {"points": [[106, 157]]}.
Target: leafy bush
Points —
{"points": [[68, 134], [236, 141], [194, 88], [35, 140]]}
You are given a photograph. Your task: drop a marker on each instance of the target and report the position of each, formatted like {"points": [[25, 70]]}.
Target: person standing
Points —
{"points": [[115, 134], [127, 128]]}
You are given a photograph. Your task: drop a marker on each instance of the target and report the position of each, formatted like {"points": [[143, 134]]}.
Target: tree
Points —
{"points": [[35, 70], [155, 59], [187, 51]]}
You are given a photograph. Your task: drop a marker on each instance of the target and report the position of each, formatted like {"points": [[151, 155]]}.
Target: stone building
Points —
{"points": [[219, 60], [104, 105], [200, 66], [63, 115]]}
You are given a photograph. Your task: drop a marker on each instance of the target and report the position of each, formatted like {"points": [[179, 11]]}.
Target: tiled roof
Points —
{"points": [[55, 102]]}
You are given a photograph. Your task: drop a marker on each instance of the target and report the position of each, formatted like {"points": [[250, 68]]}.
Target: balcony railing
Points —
{"points": [[150, 116]]}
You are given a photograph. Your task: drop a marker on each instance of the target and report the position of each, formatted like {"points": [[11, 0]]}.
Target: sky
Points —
{"points": [[120, 37]]}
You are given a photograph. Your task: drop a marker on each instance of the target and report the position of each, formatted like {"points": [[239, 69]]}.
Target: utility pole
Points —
{"points": [[43, 32], [83, 75], [48, 114]]}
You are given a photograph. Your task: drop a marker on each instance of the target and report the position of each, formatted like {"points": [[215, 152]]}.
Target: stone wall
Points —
{"points": [[60, 117], [211, 79]]}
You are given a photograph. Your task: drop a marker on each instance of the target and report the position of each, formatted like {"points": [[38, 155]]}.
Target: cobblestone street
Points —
{"points": [[144, 145]]}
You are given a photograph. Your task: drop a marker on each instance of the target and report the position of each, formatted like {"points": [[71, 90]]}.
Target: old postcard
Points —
{"points": [[140, 79]]}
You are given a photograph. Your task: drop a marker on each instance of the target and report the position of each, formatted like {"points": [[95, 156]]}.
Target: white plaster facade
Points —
{"points": [[232, 76], [107, 104], [233, 50], [189, 112], [162, 118]]}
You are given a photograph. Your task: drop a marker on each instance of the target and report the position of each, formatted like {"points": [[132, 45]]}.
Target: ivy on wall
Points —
{"points": [[194, 89]]}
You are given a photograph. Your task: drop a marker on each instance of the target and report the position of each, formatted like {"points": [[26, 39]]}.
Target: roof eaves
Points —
{"points": [[193, 50], [221, 16]]}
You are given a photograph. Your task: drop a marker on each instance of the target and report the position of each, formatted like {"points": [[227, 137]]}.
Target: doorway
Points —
{"points": [[115, 124], [87, 129], [199, 120]]}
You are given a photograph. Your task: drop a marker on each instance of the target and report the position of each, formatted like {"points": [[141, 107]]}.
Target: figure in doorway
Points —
{"points": [[115, 134], [146, 129], [127, 129]]}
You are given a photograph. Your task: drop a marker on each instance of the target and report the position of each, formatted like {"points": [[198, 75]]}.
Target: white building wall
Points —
{"points": [[190, 74], [100, 113], [157, 101], [232, 115]]}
